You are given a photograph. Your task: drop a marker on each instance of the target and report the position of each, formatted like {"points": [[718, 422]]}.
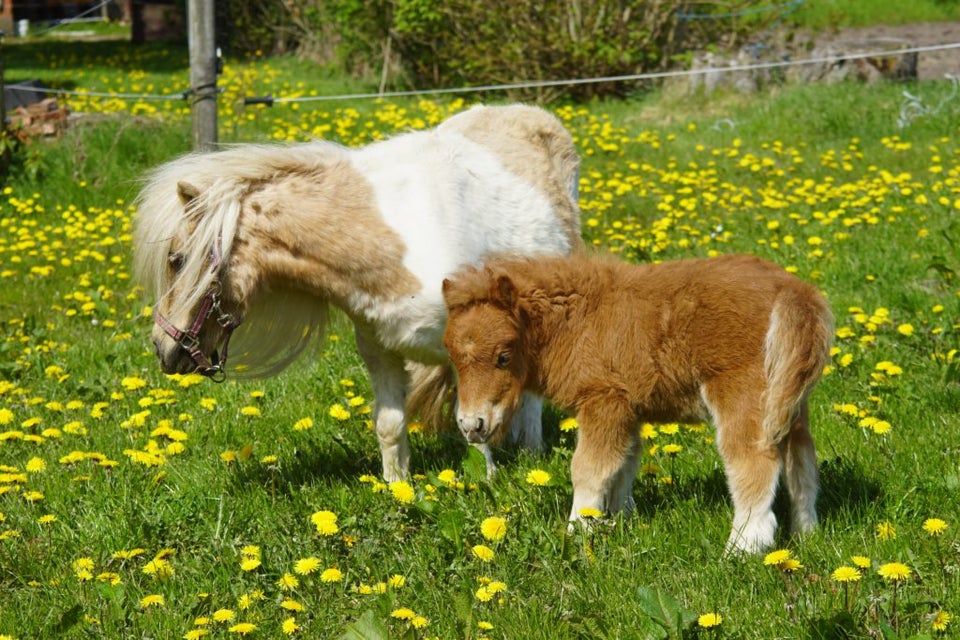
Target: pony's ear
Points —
{"points": [[187, 192], [505, 292]]}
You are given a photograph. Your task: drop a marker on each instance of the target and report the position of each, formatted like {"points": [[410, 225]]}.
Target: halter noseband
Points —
{"points": [[189, 340]]}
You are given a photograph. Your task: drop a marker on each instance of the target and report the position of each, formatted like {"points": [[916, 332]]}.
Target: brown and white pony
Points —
{"points": [[261, 238], [733, 339]]}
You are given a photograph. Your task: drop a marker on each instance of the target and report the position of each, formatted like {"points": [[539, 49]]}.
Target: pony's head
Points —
{"points": [[204, 278], [484, 337], [181, 255]]}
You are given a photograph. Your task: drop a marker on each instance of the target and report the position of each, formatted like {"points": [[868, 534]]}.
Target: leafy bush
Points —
{"points": [[431, 43]]}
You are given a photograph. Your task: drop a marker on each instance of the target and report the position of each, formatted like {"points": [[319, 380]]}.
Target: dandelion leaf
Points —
{"points": [[665, 610], [366, 627], [474, 465]]}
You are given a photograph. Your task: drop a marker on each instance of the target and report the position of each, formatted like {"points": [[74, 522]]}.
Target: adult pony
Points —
{"points": [[268, 236], [734, 338]]}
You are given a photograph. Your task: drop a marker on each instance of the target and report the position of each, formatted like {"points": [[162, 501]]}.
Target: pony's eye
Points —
{"points": [[175, 260], [503, 359]]}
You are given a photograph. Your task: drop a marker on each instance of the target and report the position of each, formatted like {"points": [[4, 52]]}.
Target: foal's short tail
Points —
{"points": [[796, 351], [431, 397]]}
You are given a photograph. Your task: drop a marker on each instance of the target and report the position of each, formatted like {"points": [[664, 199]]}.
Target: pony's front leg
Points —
{"points": [[526, 426], [389, 379]]}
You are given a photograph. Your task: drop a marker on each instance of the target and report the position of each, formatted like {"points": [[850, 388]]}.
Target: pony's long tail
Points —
{"points": [[797, 349], [432, 396]]}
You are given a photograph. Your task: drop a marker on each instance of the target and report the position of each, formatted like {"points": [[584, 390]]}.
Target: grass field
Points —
{"points": [[138, 505]]}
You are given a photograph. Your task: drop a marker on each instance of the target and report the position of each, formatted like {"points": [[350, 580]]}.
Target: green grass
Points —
{"points": [[819, 179], [823, 14]]}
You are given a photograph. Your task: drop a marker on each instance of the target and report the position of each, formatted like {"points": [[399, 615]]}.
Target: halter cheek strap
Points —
{"points": [[189, 339]]}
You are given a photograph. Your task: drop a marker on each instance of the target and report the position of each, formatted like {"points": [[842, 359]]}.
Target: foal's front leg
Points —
{"points": [[389, 380], [604, 461]]}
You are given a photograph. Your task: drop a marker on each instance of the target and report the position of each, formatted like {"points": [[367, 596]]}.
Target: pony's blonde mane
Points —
{"points": [[206, 226]]}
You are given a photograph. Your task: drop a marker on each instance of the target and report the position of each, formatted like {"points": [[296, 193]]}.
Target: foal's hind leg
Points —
{"points": [[752, 467], [389, 379], [800, 472]]}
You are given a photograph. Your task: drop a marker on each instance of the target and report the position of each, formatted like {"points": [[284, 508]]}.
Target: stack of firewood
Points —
{"points": [[44, 118]]}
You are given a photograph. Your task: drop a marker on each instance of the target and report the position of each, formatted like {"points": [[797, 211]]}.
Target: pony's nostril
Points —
{"points": [[479, 424]]}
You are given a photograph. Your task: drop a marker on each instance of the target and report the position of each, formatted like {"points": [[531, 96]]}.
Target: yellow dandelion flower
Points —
{"points": [[538, 478], [886, 531], [894, 571], [132, 383], [303, 424], [710, 620], [905, 329], [224, 615], [846, 574], [397, 581], [402, 492], [482, 552], [790, 564], [243, 628], [777, 557], [249, 564], [35, 465], [288, 582], [941, 620], [494, 528], [250, 411], [158, 568], [291, 605], [419, 622], [934, 526], [569, 424], [331, 575], [306, 566], [325, 522], [152, 600], [672, 449], [861, 561], [337, 412], [289, 626], [403, 613], [447, 477], [483, 594]]}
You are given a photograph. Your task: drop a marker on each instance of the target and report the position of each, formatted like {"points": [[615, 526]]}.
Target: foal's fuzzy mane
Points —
{"points": [[207, 225], [536, 279]]}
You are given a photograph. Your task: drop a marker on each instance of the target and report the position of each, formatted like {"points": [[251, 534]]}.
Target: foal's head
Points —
{"points": [[484, 337]]}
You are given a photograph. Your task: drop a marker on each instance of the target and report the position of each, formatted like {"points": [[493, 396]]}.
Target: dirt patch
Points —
{"points": [[931, 65]]}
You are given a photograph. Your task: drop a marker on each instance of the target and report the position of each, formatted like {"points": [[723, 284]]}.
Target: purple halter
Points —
{"points": [[189, 340]]}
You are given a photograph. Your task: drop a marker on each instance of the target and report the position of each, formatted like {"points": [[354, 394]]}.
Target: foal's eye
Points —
{"points": [[503, 360], [175, 260]]}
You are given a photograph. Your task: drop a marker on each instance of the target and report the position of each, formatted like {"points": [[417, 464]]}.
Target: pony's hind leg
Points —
{"points": [[800, 473], [388, 378]]}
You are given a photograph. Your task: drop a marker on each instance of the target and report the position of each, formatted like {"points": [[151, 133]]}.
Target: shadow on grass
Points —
{"points": [[153, 57]]}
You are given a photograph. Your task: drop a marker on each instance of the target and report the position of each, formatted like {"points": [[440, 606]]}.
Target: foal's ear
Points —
{"points": [[505, 292], [187, 192]]}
